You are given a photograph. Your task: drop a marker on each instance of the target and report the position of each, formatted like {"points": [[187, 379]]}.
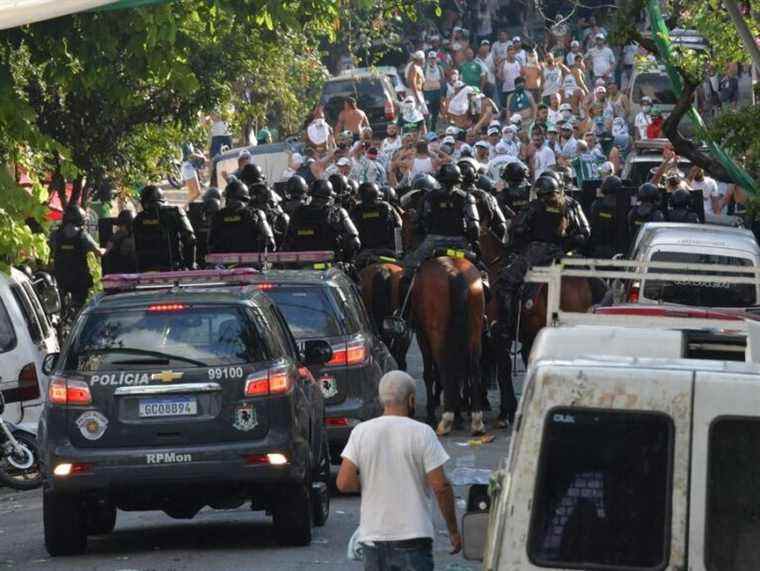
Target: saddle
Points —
{"points": [[455, 253], [370, 257]]}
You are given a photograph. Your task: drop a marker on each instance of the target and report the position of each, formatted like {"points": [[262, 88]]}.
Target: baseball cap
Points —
{"points": [[465, 150], [419, 54], [565, 107], [343, 162], [600, 82], [485, 42], [493, 131], [482, 145], [432, 54], [456, 46], [297, 158], [509, 129], [449, 140], [552, 129], [516, 118], [494, 123], [516, 40], [575, 44], [599, 36], [600, 89], [431, 136], [501, 149], [451, 130], [244, 155], [568, 126]]}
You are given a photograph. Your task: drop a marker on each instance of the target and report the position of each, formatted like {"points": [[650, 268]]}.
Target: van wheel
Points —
{"points": [[292, 514], [320, 487], [65, 524], [101, 519]]}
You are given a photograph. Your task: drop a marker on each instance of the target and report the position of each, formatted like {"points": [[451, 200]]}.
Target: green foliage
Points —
{"points": [[739, 132], [17, 242]]}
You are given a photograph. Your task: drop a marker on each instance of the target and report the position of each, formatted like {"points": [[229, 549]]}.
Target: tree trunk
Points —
{"points": [[76, 192], [744, 32]]}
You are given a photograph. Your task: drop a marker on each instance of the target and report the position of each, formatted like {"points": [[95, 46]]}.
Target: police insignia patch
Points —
{"points": [[245, 418]]}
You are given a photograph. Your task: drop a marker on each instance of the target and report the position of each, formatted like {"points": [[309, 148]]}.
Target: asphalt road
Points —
{"points": [[223, 540]]}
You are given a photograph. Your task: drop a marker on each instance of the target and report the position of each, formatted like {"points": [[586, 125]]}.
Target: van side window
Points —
{"points": [[38, 311], [26, 309], [733, 495], [603, 490], [7, 334]]}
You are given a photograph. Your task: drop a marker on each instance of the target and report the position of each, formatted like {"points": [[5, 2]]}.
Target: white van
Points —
{"points": [[626, 462], [26, 336]]}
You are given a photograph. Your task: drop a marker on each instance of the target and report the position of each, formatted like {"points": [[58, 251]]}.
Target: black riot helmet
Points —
{"points": [[390, 194], [212, 192], [74, 215], [260, 193], [648, 192], [557, 176], [322, 189], [236, 191], [151, 195], [339, 183], [611, 185], [680, 198], [251, 174], [485, 183], [514, 172], [469, 171], [297, 187], [211, 205], [125, 218], [424, 182], [547, 185], [369, 192], [353, 187], [450, 175]]}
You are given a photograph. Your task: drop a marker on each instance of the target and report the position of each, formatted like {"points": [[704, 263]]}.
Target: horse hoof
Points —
{"points": [[501, 423], [446, 424], [477, 427]]}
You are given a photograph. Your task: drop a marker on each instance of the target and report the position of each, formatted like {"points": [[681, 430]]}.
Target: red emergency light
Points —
{"points": [[309, 257], [127, 282]]}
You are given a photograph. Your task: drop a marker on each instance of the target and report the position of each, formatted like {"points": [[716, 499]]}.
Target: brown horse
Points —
{"points": [[380, 286], [447, 304]]}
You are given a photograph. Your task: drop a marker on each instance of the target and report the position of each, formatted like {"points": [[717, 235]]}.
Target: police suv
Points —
{"points": [[176, 391]]}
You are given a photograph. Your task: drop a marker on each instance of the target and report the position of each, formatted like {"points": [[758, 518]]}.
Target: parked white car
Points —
{"points": [[26, 336]]}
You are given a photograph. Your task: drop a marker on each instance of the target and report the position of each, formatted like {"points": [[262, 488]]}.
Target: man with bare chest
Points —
{"points": [[352, 119]]}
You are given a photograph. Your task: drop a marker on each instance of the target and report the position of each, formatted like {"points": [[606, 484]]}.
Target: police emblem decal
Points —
{"points": [[245, 418], [92, 424]]}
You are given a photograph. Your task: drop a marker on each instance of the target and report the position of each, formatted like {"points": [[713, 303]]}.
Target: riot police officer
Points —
{"points": [[120, 250], [604, 219], [646, 211], [516, 194], [262, 198], [252, 174], [680, 208], [69, 245], [322, 225], [296, 190], [211, 204], [238, 228], [164, 237], [488, 209], [377, 221], [344, 193], [448, 219], [547, 228]]}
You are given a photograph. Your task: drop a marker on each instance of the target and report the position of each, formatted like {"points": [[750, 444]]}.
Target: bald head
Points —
{"points": [[395, 388]]}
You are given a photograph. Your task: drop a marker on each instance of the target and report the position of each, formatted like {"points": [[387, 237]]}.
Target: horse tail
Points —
{"points": [[458, 334], [382, 305]]}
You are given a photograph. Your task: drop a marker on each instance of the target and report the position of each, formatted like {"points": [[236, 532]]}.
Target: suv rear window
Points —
{"points": [[348, 87], [733, 495], [700, 294], [7, 333], [655, 85], [307, 310], [199, 337], [603, 490]]}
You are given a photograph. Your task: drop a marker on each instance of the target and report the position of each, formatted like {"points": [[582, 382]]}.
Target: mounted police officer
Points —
{"points": [[547, 228], [120, 250], [604, 220], [210, 205], [680, 208], [164, 237], [322, 225], [262, 199], [646, 211], [69, 245], [489, 210], [448, 219], [297, 191], [516, 194], [378, 223], [238, 228]]}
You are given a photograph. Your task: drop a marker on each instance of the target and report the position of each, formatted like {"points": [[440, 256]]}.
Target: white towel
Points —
{"points": [[460, 103]]}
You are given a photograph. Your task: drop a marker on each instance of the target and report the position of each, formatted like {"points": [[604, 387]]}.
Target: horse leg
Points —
{"points": [[507, 399], [428, 374], [477, 427]]}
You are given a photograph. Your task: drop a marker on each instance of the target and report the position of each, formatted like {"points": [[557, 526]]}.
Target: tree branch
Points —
{"points": [[686, 147]]}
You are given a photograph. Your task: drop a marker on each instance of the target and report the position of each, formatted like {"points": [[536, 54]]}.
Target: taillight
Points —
{"points": [[166, 307], [274, 381], [347, 355], [69, 392], [390, 110], [633, 294], [28, 387]]}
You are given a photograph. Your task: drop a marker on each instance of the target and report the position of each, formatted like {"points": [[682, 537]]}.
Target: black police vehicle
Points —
{"points": [[326, 304], [180, 390]]}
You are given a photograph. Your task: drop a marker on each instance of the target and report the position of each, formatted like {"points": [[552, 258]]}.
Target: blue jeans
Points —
{"points": [[410, 555]]}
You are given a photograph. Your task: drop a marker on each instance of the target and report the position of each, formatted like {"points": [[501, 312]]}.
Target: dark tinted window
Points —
{"points": [[197, 337], [353, 88], [641, 171], [603, 490], [26, 309], [37, 307], [349, 310], [307, 310], [700, 293], [7, 334], [733, 496], [655, 85]]}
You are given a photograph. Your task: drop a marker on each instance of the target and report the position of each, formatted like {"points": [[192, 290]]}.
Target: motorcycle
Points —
{"points": [[19, 456]]}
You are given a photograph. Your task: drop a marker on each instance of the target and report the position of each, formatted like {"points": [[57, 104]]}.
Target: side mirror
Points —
{"points": [[2, 403], [317, 352], [48, 363], [474, 533], [47, 293], [393, 327], [618, 257]]}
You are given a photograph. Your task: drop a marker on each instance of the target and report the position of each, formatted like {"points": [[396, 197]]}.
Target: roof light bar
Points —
{"points": [[127, 282], [272, 258]]}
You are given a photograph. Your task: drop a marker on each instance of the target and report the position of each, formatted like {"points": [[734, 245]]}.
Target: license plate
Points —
{"points": [[174, 406]]}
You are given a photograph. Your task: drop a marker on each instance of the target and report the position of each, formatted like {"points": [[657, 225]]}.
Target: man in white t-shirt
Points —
{"points": [[397, 465], [699, 181], [544, 157], [602, 58]]}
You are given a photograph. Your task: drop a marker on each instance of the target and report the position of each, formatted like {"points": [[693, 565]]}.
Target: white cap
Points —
{"points": [[501, 149], [458, 84], [296, 158], [465, 149], [343, 162], [451, 130], [244, 155], [600, 89], [575, 44], [516, 118], [516, 40], [482, 145], [456, 46], [432, 54], [509, 129], [494, 123], [565, 107], [449, 140], [607, 169], [599, 36], [419, 54]]}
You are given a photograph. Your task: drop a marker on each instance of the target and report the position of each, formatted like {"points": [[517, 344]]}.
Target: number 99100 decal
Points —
{"points": [[219, 373]]}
